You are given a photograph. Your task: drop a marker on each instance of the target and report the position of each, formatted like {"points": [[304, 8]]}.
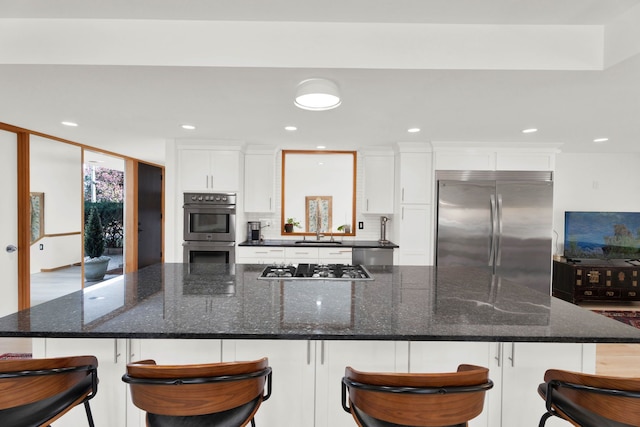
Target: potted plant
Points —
{"points": [[345, 227], [95, 265], [290, 224]]}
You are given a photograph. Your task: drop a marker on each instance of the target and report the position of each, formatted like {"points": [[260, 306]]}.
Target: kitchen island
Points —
{"points": [[406, 319]]}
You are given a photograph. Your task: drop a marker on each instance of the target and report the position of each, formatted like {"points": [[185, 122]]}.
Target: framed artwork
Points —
{"points": [[37, 216], [318, 210]]}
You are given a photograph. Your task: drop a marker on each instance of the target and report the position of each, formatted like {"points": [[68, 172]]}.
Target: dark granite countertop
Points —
{"points": [[228, 301], [311, 242]]}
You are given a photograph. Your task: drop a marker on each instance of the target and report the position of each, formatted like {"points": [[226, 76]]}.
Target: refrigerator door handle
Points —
{"points": [[492, 199], [499, 244]]}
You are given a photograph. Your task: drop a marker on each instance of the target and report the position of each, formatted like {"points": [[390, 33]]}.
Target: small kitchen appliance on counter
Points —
{"points": [[254, 230], [316, 272], [383, 230]]}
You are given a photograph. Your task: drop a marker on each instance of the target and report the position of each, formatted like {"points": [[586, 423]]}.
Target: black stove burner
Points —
{"points": [[316, 271]]}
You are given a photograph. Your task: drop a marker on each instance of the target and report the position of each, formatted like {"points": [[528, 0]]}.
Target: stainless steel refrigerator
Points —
{"points": [[498, 221]]}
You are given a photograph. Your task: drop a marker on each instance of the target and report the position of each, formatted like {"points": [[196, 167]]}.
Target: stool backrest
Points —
{"points": [[62, 382], [615, 405], [187, 390], [419, 399]]}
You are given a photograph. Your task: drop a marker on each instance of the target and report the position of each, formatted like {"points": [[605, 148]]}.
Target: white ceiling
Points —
{"points": [[133, 104]]}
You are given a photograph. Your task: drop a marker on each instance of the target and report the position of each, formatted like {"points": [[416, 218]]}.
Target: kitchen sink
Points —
{"points": [[315, 242]]}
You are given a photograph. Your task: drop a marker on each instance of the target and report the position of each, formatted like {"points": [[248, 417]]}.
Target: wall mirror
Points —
{"points": [[319, 192]]}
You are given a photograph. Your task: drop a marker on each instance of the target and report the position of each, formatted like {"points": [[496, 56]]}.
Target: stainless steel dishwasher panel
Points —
{"points": [[372, 256]]}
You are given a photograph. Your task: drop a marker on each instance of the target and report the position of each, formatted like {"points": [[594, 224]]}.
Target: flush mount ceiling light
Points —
{"points": [[290, 128], [530, 130], [188, 127], [317, 95], [413, 130], [601, 140]]}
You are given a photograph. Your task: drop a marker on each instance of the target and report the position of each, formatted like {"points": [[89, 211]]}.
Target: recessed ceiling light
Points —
{"points": [[72, 124], [413, 130], [601, 140], [530, 130], [188, 127], [290, 128], [321, 147]]}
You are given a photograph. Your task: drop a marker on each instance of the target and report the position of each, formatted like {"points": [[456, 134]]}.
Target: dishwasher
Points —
{"points": [[372, 256]]}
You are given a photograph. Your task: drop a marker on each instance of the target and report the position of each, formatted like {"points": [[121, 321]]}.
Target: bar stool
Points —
{"points": [[422, 400], [36, 392], [591, 400], [215, 394]]}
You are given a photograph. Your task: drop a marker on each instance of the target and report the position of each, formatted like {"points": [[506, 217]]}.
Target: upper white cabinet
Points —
{"points": [[209, 170], [378, 183], [481, 156], [259, 182], [415, 177]]}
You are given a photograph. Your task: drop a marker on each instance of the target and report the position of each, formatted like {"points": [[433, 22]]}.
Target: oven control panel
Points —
{"points": [[210, 198]]}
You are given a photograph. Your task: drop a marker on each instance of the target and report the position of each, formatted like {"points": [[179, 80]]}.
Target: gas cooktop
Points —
{"points": [[315, 272]]}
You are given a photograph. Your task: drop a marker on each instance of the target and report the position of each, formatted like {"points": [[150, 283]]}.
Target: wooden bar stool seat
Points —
{"points": [[215, 394], [36, 392], [417, 400], [591, 400]]}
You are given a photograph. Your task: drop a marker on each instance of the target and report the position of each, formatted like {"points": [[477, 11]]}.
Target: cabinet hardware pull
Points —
{"points": [[308, 352], [322, 352], [513, 354], [116, 353], [402, 198], [499, 354]]}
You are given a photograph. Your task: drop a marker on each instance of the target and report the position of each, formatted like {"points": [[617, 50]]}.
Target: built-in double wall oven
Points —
{"points": [[209, 228]]}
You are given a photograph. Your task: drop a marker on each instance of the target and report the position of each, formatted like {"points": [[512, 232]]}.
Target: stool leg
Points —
{"points": [[544, 419], [253, 422], [87, 408]]}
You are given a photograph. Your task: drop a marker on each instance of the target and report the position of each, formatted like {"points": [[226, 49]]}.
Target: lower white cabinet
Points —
{"points": [[292, 255], [259, 255], [307, 376], [109, 406], [415, 235], [522, 367], [516, 370], [334, 255]]}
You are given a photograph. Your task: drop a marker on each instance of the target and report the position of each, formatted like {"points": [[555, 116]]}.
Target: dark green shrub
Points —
{"points": [[94, 242]]}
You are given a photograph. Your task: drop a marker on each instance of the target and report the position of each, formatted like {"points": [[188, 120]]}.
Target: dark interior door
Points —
{"points": [[149, 215]]}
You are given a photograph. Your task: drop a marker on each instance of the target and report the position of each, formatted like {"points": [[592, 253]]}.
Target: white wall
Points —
{"points": [[594, 182], [56, 171]]}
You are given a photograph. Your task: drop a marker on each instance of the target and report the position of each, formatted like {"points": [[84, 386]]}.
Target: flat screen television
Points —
{"points": [[604, 235]]}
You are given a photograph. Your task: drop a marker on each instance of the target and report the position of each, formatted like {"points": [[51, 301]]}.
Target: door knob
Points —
{"points": [[11, 248]]}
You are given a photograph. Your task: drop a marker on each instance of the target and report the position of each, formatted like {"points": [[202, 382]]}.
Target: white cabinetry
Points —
{"points": [[301, 254], [209, 170], [378, 183], [415, 177], [334, 255], [482, 156], [307, 376], [521, 367], [109, 405], [259, 255], [259, 182], [413, 225], [516, 370]]}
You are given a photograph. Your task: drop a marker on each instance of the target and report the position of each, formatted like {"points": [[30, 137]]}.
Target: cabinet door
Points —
{"points": [[225, 171], [293, 363], [259, 179], [259, 255], [415, 178], [523, 367], [298, 255], [378, 184], [195, 169], [331, 360], [415, 235], [334, 255], [445, 356], [108, 407]]}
